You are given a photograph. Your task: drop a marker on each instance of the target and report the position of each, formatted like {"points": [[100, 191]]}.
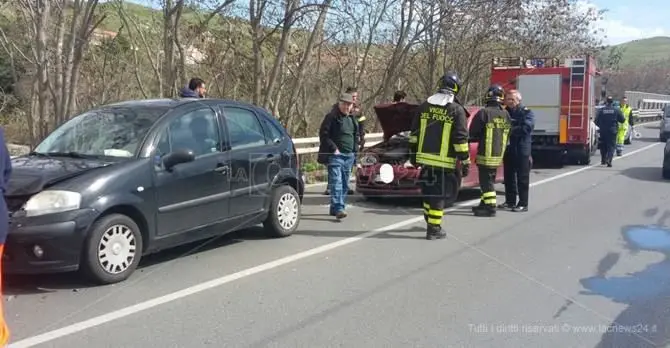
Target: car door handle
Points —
{"points": [[223, 169]]}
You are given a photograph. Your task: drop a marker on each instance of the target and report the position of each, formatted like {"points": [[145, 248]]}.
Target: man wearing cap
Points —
{"points": [[339, 135], [607, 120]]}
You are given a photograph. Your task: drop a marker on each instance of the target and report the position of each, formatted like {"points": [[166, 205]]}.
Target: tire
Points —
{"points": [[662, 139], [284, 212], [666, 174], [126, 236], [586, 157]]}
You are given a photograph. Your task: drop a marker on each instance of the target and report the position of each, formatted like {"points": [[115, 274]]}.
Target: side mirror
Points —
{"points": [[176, 157]]}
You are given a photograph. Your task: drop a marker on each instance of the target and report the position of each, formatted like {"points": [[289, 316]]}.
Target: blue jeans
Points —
{"points": [[339, 171]]}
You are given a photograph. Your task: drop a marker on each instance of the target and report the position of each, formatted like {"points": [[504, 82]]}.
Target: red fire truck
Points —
{"points": [[561, 94]]}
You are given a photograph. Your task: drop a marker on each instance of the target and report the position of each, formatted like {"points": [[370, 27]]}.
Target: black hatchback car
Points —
{"points": [[128, 179]]}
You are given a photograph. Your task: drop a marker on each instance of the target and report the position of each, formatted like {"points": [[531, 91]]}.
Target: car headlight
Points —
{"points": [[52, 201], [368, 160]]}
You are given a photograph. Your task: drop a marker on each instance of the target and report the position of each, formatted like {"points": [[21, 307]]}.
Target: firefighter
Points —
{"points": [[627, 112], [608, 119], [490, 128], [438, 139]]}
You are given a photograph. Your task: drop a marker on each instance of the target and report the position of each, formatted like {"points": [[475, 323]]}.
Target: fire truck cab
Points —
{"points": [[561, 94]]}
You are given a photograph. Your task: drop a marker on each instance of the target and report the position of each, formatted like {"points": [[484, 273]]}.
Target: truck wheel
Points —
{"points": [[585, 158], [112, 249]]}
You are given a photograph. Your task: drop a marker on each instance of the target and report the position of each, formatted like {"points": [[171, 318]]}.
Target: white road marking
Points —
{"points": [[192, 290]]}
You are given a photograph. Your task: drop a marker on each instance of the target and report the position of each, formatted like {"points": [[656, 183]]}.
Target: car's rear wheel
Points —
{"points": [[284, 215], [112, 250]]}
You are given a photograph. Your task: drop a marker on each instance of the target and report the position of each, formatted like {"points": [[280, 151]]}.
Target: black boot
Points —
{"points": [[507, 205], [435, 232], [484, 210]]}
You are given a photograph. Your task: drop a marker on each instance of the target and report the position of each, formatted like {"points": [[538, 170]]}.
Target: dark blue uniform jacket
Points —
{"points": [[5, 171], [608, 119], [523, 123], [188, 93]]}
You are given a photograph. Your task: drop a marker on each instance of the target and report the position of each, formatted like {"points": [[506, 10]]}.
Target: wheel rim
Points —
{"points": [[287, 211], [117, 249]]}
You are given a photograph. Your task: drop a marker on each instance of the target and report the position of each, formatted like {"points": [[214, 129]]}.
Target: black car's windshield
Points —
{"points": [[114, 132]]}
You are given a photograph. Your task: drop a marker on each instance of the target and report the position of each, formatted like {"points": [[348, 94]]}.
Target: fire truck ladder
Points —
{"points": [[577, 81]]}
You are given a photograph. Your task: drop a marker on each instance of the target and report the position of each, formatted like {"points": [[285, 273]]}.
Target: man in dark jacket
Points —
{"points": [[195, 89], [356, 112], [338, 136], [516, 161], [5, 172], [607, 120]]}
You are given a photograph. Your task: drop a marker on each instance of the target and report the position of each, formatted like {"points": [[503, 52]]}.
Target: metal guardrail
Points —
{"points": [[647, 115], [311, 145]]}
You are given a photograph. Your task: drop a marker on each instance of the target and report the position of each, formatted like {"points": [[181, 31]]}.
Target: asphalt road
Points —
{"points": [[592, 251]]}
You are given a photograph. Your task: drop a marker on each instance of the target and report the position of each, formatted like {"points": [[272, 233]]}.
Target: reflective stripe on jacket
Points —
{"points": [[490, 127], [627, 112], [439, 135]]}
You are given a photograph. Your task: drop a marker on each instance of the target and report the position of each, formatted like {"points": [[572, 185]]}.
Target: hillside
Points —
{"points": [[637, 52]]}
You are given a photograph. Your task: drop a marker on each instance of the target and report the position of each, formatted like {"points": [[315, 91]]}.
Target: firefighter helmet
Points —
{"points": [[450, 82], [495, 93]]}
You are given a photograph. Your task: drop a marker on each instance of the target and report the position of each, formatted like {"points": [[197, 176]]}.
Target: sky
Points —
{"points": [[624, 21], [628, 20]]}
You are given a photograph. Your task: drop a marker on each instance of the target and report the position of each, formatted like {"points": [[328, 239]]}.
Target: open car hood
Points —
{"points": [[396, 118]]}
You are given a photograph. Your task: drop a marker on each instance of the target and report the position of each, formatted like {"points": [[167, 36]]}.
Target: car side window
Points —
{"points": [[197, 131], [274, 132], [244, 129]]}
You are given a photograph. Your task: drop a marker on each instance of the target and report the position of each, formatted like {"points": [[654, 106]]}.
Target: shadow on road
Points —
{"points": [[644, 173], [646, 320], [47, 283]]}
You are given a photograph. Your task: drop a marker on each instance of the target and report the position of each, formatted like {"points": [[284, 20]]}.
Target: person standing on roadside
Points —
{"points": [[516, 161], [5, 171], [608, 119], [339, 137], [195, 89], [399, 97], [356, 112], [490, 128], [438, 142], [625, 126]]}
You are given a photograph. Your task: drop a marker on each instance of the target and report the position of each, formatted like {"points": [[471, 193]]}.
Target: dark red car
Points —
{"points": [[394, 150]]}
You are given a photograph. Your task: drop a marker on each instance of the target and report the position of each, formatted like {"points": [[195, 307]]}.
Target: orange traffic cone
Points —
{"points": [[4, 330]]}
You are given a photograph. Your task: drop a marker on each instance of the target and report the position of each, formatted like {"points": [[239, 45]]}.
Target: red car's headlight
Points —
{"points": [[368, 160]]}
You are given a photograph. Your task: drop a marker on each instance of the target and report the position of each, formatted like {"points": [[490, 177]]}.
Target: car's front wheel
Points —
{"points": [[284, 215], [112, 250]]}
